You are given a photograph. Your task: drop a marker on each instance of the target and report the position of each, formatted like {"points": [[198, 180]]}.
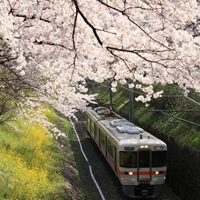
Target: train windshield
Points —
{"points": [[128, 159], [146, 159], [159, 159]]}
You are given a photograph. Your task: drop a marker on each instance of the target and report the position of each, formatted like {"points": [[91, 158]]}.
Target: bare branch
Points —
{"points": [[87, 22]]}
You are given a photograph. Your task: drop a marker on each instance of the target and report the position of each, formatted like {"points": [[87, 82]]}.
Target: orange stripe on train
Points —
{"points": [[143, 173]]}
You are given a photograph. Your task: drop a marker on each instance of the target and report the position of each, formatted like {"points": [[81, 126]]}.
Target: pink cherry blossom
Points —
{"points": [[60, 43]]}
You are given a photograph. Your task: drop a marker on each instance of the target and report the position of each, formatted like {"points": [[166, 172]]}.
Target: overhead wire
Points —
{"points": [[164, 95]]}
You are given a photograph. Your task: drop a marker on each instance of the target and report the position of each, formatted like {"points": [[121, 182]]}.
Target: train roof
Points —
{"points": [[124, 131]]}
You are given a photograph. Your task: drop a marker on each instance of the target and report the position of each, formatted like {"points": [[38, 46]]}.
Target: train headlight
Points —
{"points": [[158, 148], [130, 173], [144, 146], [156, 172]]}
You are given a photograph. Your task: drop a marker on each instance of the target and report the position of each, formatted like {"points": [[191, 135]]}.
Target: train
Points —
{"points": [[136, 157]]}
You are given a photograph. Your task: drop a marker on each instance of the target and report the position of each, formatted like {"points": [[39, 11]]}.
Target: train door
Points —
{"points": [[102, 142], [115, 156], [111, 154], [144, 166]]}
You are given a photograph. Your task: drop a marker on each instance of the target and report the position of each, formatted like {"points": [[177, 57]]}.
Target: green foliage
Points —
{"points": [[51, 114], [66, 125]]}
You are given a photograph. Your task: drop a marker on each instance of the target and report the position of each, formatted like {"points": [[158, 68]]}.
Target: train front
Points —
{"points": [[142, 167]]}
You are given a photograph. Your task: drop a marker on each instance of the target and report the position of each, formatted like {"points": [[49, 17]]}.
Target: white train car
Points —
{"points": [[137, 157]]}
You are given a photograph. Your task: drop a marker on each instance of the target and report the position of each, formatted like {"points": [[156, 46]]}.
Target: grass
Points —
{"points": [[30, 162]]}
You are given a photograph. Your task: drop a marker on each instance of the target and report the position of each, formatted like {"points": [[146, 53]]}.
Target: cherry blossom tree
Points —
{"points": [[58, 44], [11, 84]]}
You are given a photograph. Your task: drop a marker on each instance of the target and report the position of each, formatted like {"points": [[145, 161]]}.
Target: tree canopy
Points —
{"points": [[55, 45]]}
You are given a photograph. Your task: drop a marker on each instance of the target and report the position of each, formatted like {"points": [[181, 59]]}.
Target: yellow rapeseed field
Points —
{"points": [[29, 164]]}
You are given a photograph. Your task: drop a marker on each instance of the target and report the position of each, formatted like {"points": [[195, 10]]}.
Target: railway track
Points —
{"points": [[104, 176]]}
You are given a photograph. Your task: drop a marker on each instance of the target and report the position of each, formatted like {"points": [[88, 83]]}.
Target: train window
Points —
{"points": [[144, 158], [128, 159], [96, 135], [110, 149], [159, 159], [92, 127]]}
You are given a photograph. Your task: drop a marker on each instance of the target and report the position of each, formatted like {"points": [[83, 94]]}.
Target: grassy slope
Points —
{"points": [[31, 163]]}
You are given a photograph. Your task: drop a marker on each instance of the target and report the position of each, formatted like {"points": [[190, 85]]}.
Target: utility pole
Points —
{"points": [[131, 105], [111, 102]]}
